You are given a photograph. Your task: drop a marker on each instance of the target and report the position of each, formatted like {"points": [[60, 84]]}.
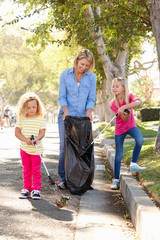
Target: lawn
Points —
{"points": [[149, 178], [145, 130]]}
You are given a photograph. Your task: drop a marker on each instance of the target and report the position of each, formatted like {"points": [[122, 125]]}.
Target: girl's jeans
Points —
{"points": [[31, 168], [119, 140], [61, 170]]}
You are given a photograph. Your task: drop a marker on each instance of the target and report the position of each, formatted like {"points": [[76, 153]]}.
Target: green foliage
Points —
{"points": [[25, 69], [120, 21], [142, 87], [127, 215], [150, 114]]}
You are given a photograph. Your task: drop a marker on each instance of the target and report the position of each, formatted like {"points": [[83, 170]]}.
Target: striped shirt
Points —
{"points": [[31, 126]]}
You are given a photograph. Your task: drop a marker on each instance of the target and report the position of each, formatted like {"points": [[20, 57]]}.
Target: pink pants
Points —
{"points": [[31, 171]]}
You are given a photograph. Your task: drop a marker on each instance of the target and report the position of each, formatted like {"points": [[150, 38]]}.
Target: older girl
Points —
{"points": [[125, 124]]}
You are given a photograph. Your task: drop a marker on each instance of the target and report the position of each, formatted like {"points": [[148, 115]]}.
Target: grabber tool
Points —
{"points": [[63, 200], [127, 111]]}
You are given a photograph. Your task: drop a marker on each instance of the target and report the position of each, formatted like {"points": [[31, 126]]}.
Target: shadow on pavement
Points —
{"points": [[50, 210]]}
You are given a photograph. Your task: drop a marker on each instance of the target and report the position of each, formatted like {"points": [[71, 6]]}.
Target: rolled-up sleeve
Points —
{"points": [[92, 94], [133, 98]]}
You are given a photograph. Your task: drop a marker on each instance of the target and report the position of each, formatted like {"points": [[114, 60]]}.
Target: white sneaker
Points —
{"points": [[115, 185], [24, 194], [62, 185], [35, 194], [136, 168]]}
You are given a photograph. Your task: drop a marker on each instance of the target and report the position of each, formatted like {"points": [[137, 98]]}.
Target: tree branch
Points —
{"points": [[141, 66]]}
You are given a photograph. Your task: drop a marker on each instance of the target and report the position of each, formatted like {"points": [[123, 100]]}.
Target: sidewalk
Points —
{"points": [[98, 217], [97, 214]]}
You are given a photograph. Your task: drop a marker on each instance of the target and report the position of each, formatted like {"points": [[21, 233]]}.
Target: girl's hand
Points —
{"points": [[121, 110], [125, 116], [29, 141], [35, 141]]}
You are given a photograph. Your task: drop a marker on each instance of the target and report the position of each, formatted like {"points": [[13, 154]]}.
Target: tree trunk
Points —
{"points": [[155, 21], [111, 69], [157, 142]]}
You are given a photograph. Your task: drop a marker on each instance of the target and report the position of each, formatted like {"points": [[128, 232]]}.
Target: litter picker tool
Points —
{"points": [[64, 200], [127, 111]]}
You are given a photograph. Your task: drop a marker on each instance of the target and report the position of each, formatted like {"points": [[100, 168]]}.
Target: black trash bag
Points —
{"points": [[79, 157]]}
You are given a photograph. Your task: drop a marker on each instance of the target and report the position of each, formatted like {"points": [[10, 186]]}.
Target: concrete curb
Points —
{"points": [[144, 214]]}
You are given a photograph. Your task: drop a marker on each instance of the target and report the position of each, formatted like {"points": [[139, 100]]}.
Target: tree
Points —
{"points": [[18, 63], [155, 20], [24, 68], [157, 142], [108, 28], [55, 60], [142, 87]]}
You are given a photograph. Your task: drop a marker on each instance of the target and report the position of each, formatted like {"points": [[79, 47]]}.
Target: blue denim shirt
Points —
{"points": [[77, 98]]}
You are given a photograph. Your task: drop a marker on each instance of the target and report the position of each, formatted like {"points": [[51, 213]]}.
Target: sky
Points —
{"points": [[7, 6]]}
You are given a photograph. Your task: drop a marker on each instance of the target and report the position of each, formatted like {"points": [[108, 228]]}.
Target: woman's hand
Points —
{"points": [[89, 113], [66, 113]]}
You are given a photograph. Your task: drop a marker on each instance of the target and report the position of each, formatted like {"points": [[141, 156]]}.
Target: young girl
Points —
{"points": [[125, 124], [30, 122]]}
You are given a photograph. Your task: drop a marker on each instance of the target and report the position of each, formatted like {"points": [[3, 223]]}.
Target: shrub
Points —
{"points": [[150, 114]]}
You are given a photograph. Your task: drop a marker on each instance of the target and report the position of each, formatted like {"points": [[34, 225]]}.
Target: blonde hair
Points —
{"points": [[124, 83], [87, 54], [22, 104]]}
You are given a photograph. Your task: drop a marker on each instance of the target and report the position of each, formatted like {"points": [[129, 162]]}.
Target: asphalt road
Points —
{"points": [[97, 214]]}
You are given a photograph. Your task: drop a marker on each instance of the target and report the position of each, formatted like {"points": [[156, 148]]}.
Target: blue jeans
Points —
{"points": [[119, 140], [61, 170]]}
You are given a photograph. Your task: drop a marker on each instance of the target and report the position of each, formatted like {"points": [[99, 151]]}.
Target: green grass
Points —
{"points": [[152, 123], [145, 130], [150, 178]]}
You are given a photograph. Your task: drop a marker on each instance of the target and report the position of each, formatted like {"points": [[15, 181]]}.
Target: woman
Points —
{"points": [[77, 94]]}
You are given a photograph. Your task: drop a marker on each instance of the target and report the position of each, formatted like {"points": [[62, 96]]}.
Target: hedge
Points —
{"points": [[150, 114]]}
